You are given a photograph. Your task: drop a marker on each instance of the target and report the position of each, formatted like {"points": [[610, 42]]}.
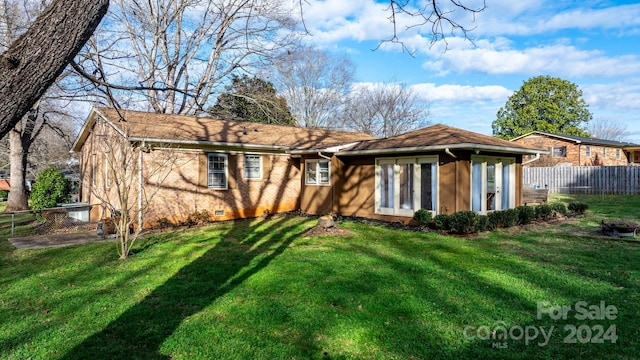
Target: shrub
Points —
{"points": [[484, 224], [463, 222], [441, 221], [526, 214], [560, 208], [422, 216], [509, 218], [4, 194], [544, 211], [495, 219], [578, 207], [50, 188]]}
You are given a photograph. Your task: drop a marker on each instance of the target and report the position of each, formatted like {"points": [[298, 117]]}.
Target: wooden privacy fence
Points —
{"points": [[584, 179]]}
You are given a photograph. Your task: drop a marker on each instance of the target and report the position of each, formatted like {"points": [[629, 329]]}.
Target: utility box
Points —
{"points": [[77, 211]]}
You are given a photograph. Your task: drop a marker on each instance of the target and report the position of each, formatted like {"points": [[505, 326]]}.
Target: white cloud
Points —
{"points": [[461, 94], [621, 96], [560, 60]]}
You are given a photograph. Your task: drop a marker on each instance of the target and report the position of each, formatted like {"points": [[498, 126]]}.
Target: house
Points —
{"points": [[240, 169], [580, 151]]}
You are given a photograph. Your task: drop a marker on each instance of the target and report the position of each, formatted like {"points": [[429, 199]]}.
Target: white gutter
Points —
{"points": [[323, 156], [532, 160], [209, 143], [448, 152], [465, 146]]}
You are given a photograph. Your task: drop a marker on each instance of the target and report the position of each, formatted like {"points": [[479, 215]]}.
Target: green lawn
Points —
{"points": [[260, 289]]}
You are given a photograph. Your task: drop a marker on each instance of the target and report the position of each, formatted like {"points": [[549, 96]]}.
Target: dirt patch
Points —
{"points": [[329, 231]]}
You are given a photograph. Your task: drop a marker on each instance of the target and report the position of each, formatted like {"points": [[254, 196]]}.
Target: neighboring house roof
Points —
{"points": [[167, 128], [5, 185], [438, 137], [581, 140]]}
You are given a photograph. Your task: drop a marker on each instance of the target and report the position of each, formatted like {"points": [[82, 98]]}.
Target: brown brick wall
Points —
{"points": [[576, 153]]}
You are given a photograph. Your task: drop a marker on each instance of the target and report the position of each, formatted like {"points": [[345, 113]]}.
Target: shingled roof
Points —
{"points": [[581, 140], [167, 128], [438, 137]]}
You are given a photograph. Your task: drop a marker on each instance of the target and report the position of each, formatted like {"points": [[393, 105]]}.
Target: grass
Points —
{"points": [[261, 289]]}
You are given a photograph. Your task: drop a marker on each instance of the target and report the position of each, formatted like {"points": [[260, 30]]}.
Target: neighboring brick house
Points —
{"points": [[580, 151], [240, 169]]}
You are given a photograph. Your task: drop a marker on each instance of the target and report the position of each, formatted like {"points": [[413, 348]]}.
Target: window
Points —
{"points": [[559, 151], [217, 171], [253, 167], [617, 154], [404, 185], [317, 172], [587, 150], [492, 183], [604, 152]]}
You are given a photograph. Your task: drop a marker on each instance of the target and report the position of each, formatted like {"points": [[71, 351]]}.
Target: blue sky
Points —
{"points": [[594, 44]]}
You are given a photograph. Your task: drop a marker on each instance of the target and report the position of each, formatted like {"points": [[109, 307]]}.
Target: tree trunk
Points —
{"points": [[18, 199], [34, 61]]}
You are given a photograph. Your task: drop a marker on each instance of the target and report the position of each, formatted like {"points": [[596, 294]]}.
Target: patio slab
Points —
{"points": [[56, 240]]}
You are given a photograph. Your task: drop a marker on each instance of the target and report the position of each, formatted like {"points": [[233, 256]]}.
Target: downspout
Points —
{"points": [[323, 156], [536, 158], [448, 152], [140, 187]]}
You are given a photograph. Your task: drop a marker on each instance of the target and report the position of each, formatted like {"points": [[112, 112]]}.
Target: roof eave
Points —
{"points": [[466, 146], [242, 146]]}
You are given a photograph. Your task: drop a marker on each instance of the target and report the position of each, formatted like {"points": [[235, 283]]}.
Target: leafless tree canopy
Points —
{"points": [[385, 110], [608, 129], [314, 83], [33, 62], [172, 56]]}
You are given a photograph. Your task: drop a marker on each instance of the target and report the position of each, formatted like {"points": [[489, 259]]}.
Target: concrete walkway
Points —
{"points": [[45, 241]]}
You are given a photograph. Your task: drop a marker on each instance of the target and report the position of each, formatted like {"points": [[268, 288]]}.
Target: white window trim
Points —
{"points": [[618, 154], [587, 151], [318, 182], [498, 162], [416, 161], [226, 171], [259, 167]]}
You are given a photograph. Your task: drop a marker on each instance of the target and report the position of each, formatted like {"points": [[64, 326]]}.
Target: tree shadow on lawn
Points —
{"points": [[140, 331]]}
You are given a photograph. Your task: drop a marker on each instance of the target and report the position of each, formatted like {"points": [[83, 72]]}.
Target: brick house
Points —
{"points": [[580, 151], [239, 169]]}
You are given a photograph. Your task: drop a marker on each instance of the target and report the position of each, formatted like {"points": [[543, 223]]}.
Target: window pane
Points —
{"points": [[506, 186], [386, 186], [252, 166], [217, 174], [406, 186], [476, 190], [426, 186], [491, 186], [323, 167], [311, 173]]}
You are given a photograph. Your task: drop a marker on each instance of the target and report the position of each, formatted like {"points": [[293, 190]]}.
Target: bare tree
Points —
{"points": [[125, 177], [608, 129], [33, 62], [314, 83], [384, 110], [175, 55]]}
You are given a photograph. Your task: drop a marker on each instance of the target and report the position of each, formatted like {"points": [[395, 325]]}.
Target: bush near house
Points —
{"points": [[422, 216], [468, 222], [50, 188]]}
